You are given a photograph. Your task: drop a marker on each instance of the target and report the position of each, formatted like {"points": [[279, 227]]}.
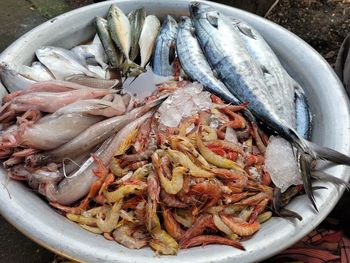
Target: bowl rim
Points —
{"points": [[22, 226]]}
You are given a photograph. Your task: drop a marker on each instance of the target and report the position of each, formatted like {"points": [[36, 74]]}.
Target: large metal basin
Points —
{"points": [[34, 218]]}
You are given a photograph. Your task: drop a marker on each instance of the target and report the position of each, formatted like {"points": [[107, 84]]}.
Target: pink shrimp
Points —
{"points": [[203, 222], [239, 226], [210, 239]]}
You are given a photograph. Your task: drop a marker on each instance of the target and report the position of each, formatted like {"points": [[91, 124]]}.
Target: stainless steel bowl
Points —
{"points": [[34, 218]]}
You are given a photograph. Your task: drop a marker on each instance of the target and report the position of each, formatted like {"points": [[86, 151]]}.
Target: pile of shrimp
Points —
{"points": [[202, 182]]}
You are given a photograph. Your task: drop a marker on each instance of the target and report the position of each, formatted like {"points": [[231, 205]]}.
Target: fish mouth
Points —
{"points": [[194, 8]]}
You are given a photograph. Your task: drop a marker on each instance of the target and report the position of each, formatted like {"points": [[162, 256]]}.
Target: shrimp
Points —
{"points": [[110, 221], [116, 169], [239, 226], [184, 145], [225, 145], [255, 199], [235, 197], [239, 177], [81, 219], [153, 186], [254, 160], [182, 159], [203, 222], [171, 225], [124, 235], [258, 209], [213, 158], [163, 243], [210, 190], [210, 239], [174, 185], [171, 200], [124, 190]]}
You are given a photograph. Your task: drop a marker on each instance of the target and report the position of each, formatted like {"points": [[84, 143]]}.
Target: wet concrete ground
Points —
{"points": [[16, 18]]}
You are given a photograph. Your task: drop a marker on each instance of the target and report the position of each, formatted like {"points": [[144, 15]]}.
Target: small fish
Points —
{"points": [[149, 33], [164, 52], [115, 58], [37, 72], [119, 27], [136, 19], [61, 62], [93, 54], [12, 80]]}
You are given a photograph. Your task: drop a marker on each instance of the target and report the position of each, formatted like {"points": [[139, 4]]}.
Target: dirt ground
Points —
{"points": [[322, 23]]}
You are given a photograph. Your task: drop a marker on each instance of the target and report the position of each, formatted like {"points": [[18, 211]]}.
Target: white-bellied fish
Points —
{"points": [[61, 62]]}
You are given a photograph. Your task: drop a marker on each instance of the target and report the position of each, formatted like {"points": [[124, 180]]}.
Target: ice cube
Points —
{"points": [[281, 164]]}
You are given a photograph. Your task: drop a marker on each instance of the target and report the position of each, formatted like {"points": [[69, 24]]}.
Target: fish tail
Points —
{"points": [[129, 65], [317, 151], [304, 163], [322, 176], [328, 154]]}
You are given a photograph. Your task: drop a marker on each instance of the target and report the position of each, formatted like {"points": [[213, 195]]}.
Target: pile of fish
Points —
{"points": [[182, 168]]}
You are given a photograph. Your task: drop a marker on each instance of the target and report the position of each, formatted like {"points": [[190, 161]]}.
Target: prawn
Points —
{"points": [[239, 226]]}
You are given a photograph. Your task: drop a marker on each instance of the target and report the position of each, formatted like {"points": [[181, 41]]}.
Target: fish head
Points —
{"points": [[200, 11], [185, 22], [170, 21]]}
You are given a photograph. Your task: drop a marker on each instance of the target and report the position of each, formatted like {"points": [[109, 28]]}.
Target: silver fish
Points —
{"points": [[114, 55], [12, 80], [61, 62], [194, 63], [136, 19], [119, 27], [37, 72], [164, 52], [149, 33], [93, 54], [281, 85]]}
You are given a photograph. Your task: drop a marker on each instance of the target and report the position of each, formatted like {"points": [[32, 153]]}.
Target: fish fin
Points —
{"points": [[172, 49], [329, 154], [304, 162], [215, 73], [329, 178], [264, 69], [284, 212], [246, 31], [193, 31], [213, 19], [276, 200]]}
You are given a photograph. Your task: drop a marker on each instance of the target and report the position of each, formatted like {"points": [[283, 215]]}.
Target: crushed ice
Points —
{"points": [[281, 164], [184, 103]]}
